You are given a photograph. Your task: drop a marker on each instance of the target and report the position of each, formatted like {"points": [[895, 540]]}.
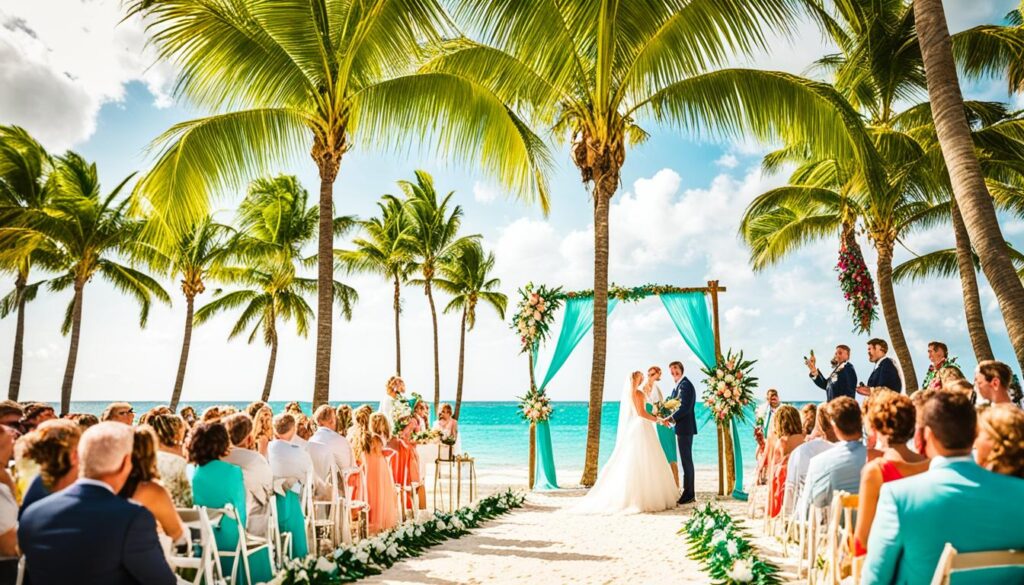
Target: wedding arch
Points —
{"points": [[693, 311]]}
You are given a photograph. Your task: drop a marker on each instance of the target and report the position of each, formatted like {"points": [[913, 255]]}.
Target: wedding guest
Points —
{"points": [[992, 380], [9, 552], [36, 413], [152, 412], [789, 434], [809, 418], [121, 412], [211, 414], [327, 447], [188, 414], [304, 429], [85, 533], [886, 373], [344, 413], [256, 473], [446, 423], [292, 464], [839, 467], [359, 432], [54, 447], [170, 459], [215, 484], [405, 465], [765, 440], [821, 439], [425, 451], [143, 487], [938, 353], [380, 484], [666, 435], [262, 426], [892, 417], [10, 414], [965, 387], [84, 419], [1000, 443], [955, 501], [842, 381], [295, 409]]}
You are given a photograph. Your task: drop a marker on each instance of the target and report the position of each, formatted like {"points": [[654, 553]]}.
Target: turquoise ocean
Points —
{"points": [[498, 439]]}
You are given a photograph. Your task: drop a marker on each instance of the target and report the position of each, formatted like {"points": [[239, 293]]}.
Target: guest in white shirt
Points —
{"points": [[256, 472], [327, 447], [287, 460], [821, 439], [838, 468]]}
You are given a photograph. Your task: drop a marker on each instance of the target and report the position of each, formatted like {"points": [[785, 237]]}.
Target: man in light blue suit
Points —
{"points": [[837, 469], [955, 501]]}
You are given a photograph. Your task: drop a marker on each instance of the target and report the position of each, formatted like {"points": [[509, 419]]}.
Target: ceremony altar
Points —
{"points": [[693, 311]]}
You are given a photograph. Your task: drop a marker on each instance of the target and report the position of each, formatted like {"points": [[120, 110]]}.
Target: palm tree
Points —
{"points": [[966, 176], [194, 257], [435, 241], [605, 66], [288, 77], [468, 279], [85, 233], [387, 250], [275, 224], [24, 170]]}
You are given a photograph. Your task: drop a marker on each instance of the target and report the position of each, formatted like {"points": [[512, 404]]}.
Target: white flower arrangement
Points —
{"points": [[716, 540]]}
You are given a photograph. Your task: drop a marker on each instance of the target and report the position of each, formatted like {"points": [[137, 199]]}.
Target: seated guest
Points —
{"points": [[449, 428], [143, 487], [327, 448], [149, 414], [84, 419], [304, 429], [121, 412], [211, 414], [789, 434], [256, 473], [8, 510], [380, 484], [842, 379], [808, 418], [10, 414], [216, 484], [886, 374], [344, 412], [170, 460], [837, 469], [36, 413], [360, 426], [188, 414], [262, 426], [965, 387], [290, 463], [85, 533], [955, 501], [821, 439], [992, 380], [54, 447], [1000, 443], [892, 417]]}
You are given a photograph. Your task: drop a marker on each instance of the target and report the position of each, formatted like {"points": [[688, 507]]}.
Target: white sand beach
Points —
{"points": [[542, 542]]}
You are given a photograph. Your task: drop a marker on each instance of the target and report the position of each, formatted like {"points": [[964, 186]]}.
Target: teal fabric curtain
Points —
{"points": [[689, 313], [576, 323], [737, 491], [544, 466]]}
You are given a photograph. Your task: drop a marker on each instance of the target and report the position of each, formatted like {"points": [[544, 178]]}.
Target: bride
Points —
{"points": [[635, 479]]}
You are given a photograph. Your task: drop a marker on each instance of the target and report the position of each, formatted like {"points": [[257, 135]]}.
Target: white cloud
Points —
{"points": [[728, 161], [739, 315], [484, 193], [60, 64]]}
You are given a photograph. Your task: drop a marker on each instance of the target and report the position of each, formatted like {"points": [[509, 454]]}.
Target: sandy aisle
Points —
{"points": [[542, 543]]}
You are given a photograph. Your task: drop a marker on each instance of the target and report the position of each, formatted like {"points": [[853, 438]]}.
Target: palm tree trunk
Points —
{"points": [[601, 202], [270, 369], [76, 329], [462, 363], [972, 196], [437, 365], [969, 285], [887, 296], [398, 332], [186, 343], [328, 164], [19, 338]]}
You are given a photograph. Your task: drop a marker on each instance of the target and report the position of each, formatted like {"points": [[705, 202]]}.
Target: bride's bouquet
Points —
{"points": [[401, 414], [666, 408]]}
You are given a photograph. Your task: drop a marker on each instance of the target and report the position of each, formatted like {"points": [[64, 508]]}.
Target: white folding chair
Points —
{"points": [[953, 561], [207, 565], [247, 546], [360, 508]]}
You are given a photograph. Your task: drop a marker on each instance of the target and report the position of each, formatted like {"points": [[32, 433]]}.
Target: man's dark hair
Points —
{"points": [[879, 343], [845, 414], [239, 427], [992, 369], [678, 365], [843, 347], [938, 345], [952, 419]]}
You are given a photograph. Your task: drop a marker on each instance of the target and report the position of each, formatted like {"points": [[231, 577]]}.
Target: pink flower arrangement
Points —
{"points": [[858, 287], [729, 387]]}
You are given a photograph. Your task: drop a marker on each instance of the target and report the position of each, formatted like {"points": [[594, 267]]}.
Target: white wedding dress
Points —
{"points": [[635, 479]]}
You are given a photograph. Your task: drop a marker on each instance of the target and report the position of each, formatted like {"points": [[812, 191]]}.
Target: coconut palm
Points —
{"points": [[194, 257], [606, 66], [468, 280], [85, 233], [434, 241], [24, 170], [275, 223], [966, 175], [387, 250], [283, 78]]}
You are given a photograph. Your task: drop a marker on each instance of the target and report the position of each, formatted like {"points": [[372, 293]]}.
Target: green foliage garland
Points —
{"points": [[723, 548]]}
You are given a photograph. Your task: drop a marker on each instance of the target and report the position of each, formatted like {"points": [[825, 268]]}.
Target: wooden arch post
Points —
{"points": [[726, 454]]}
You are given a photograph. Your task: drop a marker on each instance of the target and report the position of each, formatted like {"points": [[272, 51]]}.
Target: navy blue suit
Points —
{"points": [[686, 428], [86, 534], [885, 374], [841, 382]]}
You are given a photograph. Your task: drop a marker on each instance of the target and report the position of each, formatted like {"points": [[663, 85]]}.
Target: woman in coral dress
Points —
{"points": [[405, 465], [380, 485], [787, 427]]}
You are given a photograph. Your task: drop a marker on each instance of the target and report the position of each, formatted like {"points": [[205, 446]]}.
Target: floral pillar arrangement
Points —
{"points": [[729, 389]]}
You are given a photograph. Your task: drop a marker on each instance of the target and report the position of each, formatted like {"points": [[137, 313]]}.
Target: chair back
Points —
{"points": [[840, 533], [952, 561]]}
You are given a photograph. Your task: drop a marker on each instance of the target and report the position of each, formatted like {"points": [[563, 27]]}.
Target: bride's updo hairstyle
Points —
{"points": [[393, 384]]}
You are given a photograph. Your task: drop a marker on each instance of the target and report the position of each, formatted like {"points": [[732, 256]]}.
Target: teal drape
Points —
{"points": [[576, 323], [689, 313]]}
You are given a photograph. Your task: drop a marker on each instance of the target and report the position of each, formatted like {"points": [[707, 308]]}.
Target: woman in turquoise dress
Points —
{"points": [[216, 484], [666, 435]]}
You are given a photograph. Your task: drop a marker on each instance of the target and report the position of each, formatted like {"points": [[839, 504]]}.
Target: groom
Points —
{"points": [[686, 428]]}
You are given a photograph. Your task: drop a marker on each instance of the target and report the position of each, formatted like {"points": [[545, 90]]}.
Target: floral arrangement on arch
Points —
{"points": [[729, 387], [535, 406], [858, 287], [535, 312], [719, 543]]}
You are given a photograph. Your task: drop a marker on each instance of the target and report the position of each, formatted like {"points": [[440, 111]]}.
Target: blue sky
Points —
{"points": [[80, 82]]}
